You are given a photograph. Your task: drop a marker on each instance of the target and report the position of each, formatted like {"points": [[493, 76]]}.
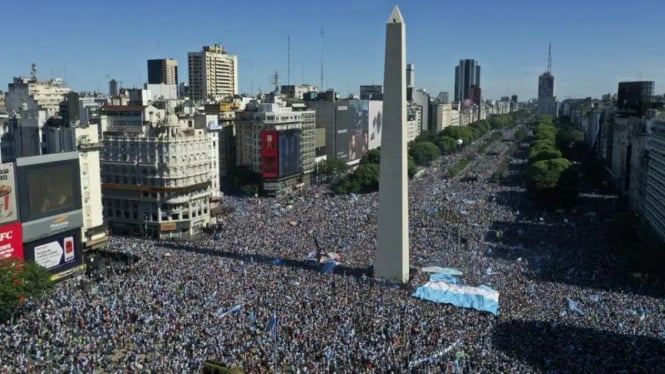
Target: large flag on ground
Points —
{"points": [[480, 298]]}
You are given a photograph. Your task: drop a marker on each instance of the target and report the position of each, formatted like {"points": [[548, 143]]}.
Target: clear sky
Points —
{"points": [[595, 43]]}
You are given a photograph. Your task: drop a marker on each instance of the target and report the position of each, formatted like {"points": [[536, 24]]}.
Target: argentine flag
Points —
{"points": [[480, 298], [272, 324]]}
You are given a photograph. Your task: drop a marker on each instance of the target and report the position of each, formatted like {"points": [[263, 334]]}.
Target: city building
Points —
{"points": [[155, 175], [444, 115], [654, 205], [352, 126], [414, 117], [421, 97], [443, 97], [31, 94], [225, 132], [163, 71], [114, 89], [270, 138], [213, 74], [297, 91], [467, 74], [546, 101], [635, 98], [94, 232], [371, 92]]}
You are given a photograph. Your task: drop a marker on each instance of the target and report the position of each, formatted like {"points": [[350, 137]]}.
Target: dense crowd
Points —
{"points": [[565, 304]]}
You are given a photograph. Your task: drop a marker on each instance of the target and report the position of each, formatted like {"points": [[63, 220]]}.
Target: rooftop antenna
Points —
{"points": [[288, 63], [321, 88], [251, 78], [274, 80], [549, 59]]}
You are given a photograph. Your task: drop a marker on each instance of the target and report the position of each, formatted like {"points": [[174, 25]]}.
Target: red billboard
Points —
{"points": [[269, 154], [11, 240]]}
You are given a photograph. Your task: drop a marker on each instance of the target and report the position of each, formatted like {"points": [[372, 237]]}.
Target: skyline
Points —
{"points": [[590, 55]]}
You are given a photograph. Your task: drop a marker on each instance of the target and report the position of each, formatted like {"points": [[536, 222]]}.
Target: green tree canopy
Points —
{"points": [[373, 156], [546, 119], [544, 175], [412, 167], [332, 169], [544, 155], [367, 177], [446, 144], [426, 136], [424, 153], [20, 280]]}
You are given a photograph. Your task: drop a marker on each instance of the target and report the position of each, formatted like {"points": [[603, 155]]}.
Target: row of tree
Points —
{"points": [[550, 176], [425, 149]]}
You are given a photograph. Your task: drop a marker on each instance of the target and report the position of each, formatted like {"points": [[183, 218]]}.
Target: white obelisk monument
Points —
{"points": [[392, 252]]}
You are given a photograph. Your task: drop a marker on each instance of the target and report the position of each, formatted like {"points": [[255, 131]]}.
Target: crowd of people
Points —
{"points": [[256, 298]]}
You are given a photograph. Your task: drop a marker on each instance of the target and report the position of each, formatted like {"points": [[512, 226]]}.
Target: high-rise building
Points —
{"points": [[213, 73], [113, 88], [410, 76], [546, 100], [163, 71], [467, 74], [635, 98], [371, 92]]}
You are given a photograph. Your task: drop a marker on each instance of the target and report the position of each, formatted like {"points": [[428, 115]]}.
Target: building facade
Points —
{"points": [[371, 92], [163, 71], [635, 98], [654, 206], [213, 73], [94, 233], [297, 91], [467, 74], [546, 101], [156, 181]]}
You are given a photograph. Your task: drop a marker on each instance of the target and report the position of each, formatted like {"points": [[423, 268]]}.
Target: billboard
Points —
{"points": [[289, 152], [11, 240], [8, 207], [375, 122], [56, 253], [49, 185], [351, 130], [269, 154], [50, 225]]}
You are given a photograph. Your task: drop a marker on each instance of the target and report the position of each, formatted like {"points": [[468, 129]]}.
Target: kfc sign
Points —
{"points": [[11, 241]]}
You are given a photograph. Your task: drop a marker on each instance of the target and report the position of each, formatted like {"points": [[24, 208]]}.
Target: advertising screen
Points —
{"points": [[8, 207], [11, 240], [289, 152], [269, 154], [56, 253], [375, 123], [48, 189], [351, 133]]}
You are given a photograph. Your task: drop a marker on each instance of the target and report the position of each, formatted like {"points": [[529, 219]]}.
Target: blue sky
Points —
{"points": [[595, 44]]}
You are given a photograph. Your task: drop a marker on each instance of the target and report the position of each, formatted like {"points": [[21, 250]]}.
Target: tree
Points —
{"points": [[569, 185], [412, 167], [446, 144], [426, 136], [544, 155], [367, 177], [567, 137], [20, 280], [543, 176], [372, 156], [333, 169], [424, 153], [546, 119]]}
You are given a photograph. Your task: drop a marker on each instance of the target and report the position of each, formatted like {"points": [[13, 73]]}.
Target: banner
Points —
{"points": [[11, 240], [269, 154], [8, 207]]}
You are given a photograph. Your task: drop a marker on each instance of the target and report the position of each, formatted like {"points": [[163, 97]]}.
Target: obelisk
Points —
{"points": [[392, 252]]}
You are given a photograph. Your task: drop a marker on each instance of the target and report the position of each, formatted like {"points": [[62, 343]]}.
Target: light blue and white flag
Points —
{"points": [[221, 313], [480, 298], [272, 324], [444, 277]]}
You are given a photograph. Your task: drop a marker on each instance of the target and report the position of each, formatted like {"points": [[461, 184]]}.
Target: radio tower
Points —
{"points": [[549, 59], [321, 87], [288, 51]]}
